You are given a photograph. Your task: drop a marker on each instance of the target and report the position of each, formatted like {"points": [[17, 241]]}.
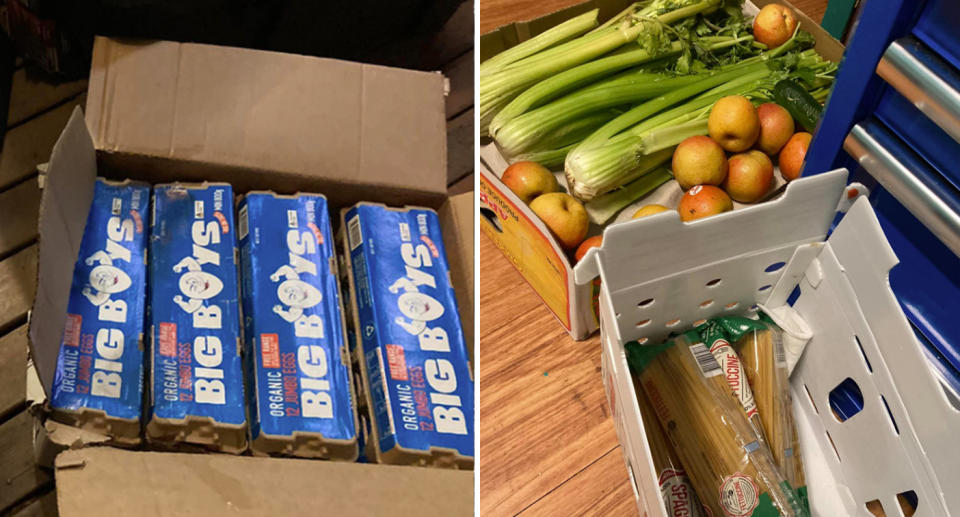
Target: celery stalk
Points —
{"points": [[509, 81], [526, 131], [569, 29], [601, 209]]}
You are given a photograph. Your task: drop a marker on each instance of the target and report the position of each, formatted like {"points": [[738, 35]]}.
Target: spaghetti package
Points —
{"points": [[677, 491], [732, 471], [760, 346], [715, 337]]}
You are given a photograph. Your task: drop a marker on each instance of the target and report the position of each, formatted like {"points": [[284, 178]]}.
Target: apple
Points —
{"points": [[564, 215], [750, 176], [528, 180], [776, 127], [774, 25], [702, 201], [592, 242], [792, 155], [733, 123], [649, 210], [699, 160]]}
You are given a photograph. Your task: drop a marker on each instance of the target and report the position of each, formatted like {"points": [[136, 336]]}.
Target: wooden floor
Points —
{"points": [[547, 444], [38, 112]]}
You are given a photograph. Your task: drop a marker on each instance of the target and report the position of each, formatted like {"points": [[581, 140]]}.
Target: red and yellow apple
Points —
{"points": [[649, 210], [776, 127], [750, 176], [792, 155], [592, 242], [528, 180], [774, 25], [702, 201], [564, 216], [699, 160], [733, 123]]}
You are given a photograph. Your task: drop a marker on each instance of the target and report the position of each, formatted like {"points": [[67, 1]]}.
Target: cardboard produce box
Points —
{"points": [[518, 232], [164, 111]]}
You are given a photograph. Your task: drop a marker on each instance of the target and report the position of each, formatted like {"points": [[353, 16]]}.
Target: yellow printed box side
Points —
{"points": [[532, 252]]}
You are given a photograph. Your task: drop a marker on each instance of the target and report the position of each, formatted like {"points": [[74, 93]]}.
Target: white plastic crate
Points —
{"points": [[661, 275]]}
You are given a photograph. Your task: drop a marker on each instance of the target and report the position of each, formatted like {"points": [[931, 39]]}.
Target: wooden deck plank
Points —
{"points": [[13, 374], [543, 413], [18, 283], [43, 506], [31, 93], [455, 38], [19, 207], [606, 478], [30, 144], [19, 473]]}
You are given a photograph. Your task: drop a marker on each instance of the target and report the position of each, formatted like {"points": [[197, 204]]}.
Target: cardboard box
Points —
{"points": [[163, 111], [516, 230], [902, 439]]}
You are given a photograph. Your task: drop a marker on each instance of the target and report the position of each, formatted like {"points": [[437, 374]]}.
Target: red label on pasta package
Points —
{"points": [[678, 494], [739, 495]]}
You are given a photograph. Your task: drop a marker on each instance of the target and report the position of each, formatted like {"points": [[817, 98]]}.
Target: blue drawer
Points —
{"points": [[927, 279], [937, 28], [924, 137]]}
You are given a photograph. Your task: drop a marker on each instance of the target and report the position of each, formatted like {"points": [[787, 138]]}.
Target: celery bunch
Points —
{"points": [[611, 101]]}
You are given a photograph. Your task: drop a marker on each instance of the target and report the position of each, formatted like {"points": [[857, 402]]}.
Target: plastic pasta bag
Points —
{"points": [[760, 346], [676, 489], [731, 469]]}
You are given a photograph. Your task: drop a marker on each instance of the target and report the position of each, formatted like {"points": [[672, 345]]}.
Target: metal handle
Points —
{"points": [[908, 180], [925, 80]]}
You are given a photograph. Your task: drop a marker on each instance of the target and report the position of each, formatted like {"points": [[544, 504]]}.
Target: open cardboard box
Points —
{"points": [[164, 111], [902, 440], [519, 233]]}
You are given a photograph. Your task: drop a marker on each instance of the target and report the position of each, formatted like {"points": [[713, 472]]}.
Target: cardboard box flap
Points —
{"points": [[166, 484], [456, 217], [64, 205], [496, 41], [269, 111]]}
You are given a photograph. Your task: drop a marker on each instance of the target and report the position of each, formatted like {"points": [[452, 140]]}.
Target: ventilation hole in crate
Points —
{"points": [[846, 400], [810, 398], [732, 305], [706, 303], [908, 502], [618, 315], [699, 322], [713, 283], [835, 451], [794, 295], [764, 288], [646, 303], [643, 323], [674, 322], [875, 507], [896, 428], [642, 341], [776, 266], [864, 354], [754, 308]]}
